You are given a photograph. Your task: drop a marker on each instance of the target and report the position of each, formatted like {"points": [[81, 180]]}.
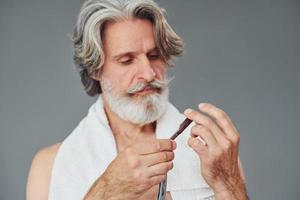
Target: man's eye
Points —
{"points": [[154, 56], [126, 62]]}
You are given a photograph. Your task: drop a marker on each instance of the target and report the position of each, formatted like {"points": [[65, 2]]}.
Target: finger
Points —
{"points": [[160, 157], [153, 146], [159, 169], [205, 133], [206, 121], [222, 120]]}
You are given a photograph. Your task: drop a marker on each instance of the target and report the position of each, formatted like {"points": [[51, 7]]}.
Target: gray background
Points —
{"points": [[242, 56]]}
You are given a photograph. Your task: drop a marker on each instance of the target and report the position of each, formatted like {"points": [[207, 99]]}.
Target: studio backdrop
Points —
{"points": [[242, 56]]}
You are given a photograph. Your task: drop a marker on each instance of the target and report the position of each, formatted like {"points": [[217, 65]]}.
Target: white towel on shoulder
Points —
{"points": [[85, 154]]}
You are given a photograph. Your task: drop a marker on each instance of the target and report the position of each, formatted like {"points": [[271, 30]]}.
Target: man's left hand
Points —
{"points": [[216, 140]]}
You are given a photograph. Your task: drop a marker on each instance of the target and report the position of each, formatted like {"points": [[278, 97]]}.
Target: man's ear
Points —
{"points": [[97, 75]]}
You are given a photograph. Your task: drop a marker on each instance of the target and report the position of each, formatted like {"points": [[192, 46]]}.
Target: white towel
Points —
{"points": [[85, 154]]}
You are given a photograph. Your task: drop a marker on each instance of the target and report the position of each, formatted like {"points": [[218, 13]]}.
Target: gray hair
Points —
{"points": [[88, 34]]}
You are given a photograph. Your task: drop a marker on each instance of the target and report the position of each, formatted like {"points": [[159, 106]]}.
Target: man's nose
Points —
{"points": [[146, 70]]}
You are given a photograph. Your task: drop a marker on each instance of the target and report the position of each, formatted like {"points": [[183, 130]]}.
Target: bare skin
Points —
{"points": [[40, 173], [145, 158]]}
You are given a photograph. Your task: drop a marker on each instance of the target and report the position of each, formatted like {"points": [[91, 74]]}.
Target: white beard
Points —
{"points": [[141, 109]]}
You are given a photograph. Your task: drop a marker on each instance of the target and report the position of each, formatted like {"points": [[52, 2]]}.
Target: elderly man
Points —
{"points": [[121, 150]]}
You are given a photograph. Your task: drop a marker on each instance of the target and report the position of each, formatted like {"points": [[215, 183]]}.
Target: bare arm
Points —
{"points": [[40, 173]]}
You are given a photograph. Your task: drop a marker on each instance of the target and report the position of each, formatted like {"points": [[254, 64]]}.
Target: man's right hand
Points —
{"points": [[135, 170]]}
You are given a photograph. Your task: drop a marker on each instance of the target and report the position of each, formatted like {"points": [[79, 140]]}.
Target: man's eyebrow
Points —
{"points": [[118, 56]]}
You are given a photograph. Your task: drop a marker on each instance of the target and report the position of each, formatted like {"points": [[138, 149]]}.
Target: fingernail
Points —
{"points": [[188, 111], [201, 105], [174, 145], [201, 140]]}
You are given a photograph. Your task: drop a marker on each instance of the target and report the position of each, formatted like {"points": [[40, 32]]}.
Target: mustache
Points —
{"points": [[155, 84]]}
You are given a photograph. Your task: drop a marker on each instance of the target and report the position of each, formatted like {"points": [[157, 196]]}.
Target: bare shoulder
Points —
{"points": [[40, 173]]}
